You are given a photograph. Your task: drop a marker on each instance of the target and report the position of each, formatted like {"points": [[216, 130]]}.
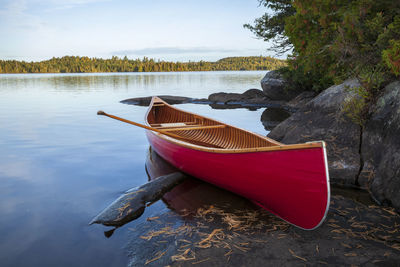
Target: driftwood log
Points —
{"points": [[132, 204]]}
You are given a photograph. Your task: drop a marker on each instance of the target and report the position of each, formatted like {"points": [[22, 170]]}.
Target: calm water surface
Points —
{"points": [[61, 164]]}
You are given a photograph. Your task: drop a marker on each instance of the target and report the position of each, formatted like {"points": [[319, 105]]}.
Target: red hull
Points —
{"points": [[293, 184]]}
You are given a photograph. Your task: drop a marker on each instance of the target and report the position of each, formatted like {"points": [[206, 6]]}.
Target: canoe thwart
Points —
{"points": [[189, 128]]}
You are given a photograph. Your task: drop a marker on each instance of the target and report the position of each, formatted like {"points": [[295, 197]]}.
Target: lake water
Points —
{"points": [[61, 164]]}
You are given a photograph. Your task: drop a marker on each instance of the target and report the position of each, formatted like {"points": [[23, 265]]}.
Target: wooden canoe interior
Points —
{"points": [[202, 131]]}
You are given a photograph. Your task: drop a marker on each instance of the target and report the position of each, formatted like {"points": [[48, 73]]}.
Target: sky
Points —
{"points": [[173, 30]]}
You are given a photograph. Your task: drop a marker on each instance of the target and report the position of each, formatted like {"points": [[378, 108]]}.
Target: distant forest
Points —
{"points": [[72, 64]]}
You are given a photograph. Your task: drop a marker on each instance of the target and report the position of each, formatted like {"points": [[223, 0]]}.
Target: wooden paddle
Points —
{"points": [[100, 112]]}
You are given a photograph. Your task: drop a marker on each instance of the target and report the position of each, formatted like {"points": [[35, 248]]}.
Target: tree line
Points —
{"points": [[76, 64]]}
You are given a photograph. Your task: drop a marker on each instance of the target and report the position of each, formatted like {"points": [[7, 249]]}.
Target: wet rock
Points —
{"points": [[132, 204], [145, 101], [275, 87], [322, 119], [381, 148], [271, 117]]}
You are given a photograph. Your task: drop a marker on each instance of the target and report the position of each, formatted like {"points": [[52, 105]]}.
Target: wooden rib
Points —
{"points": [[232, 140], [229, 136], [209, 137], [226, 134], [220, 141]]}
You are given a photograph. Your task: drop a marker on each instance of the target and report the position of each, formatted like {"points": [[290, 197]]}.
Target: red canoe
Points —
{"points": [[291, 181]]}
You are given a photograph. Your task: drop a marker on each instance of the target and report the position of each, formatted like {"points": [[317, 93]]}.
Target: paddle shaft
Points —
{"points": [[100, 112]]}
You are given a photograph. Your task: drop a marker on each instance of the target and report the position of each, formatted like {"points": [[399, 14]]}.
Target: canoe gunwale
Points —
{"points": [[241, 150]]}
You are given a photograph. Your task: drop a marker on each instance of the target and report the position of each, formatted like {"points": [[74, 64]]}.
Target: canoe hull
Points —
{"points": [[293, 184]]}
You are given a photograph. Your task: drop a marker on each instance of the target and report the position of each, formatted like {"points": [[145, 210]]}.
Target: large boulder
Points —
{"points": [[381, 148], [322, 119], [275, 87]]}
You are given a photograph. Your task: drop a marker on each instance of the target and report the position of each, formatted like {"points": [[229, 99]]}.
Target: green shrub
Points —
{"points": [[355, 107], [391, 57]]}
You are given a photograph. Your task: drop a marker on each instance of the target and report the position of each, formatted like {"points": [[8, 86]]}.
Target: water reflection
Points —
{"points": [[271, 117], [197, 84], [189, 196]]}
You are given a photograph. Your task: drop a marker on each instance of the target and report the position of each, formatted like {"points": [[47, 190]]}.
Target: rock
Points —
{"points": [[251, 99], [381, 148], [224, 97], [132, 204], [302, 99], [253, 95], [275, 87], [145, 101], [271, 117], [322, 119]]}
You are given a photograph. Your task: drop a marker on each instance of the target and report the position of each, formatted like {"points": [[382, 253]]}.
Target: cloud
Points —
{"points": [[177, 50]]}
